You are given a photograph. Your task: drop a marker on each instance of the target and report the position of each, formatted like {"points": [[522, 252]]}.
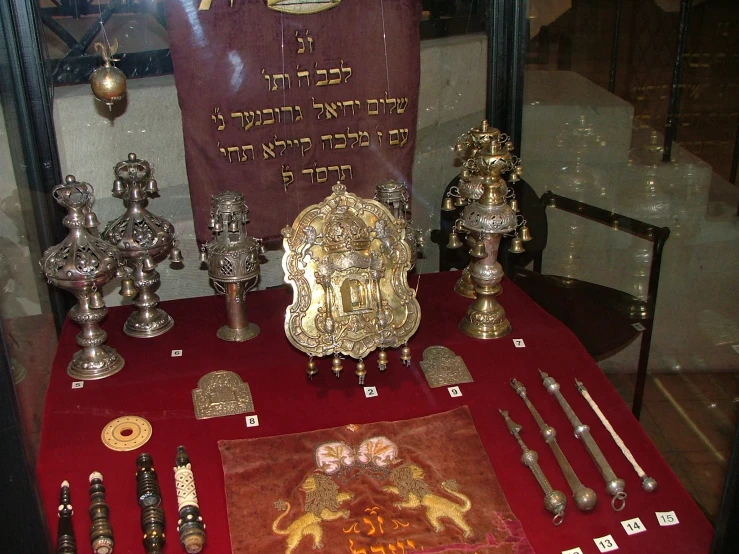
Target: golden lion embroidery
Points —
{"points": [[415, 493], [322, 501]]}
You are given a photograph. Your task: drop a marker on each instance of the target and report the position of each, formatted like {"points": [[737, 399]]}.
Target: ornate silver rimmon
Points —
{"points": [[585, 497], [614, 486], [554, 501], [143, 239], [81, 264], [394, 195], [233, 262]]}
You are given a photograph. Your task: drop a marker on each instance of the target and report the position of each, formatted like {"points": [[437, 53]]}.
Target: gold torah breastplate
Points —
{"points": [[347, 263]]}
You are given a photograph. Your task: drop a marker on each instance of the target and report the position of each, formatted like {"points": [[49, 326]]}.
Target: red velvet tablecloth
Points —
{"points": [[157, 386]]}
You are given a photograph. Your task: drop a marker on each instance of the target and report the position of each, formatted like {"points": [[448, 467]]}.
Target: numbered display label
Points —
{"points": [[638, 326], [252, 421], [176, 353], [633, 526], [370, 392], [454, 392], [606, 544], [78, 384], [666, 518], [518, 343], [577, 550]]}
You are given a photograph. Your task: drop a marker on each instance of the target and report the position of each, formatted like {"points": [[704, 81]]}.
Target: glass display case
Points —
{"points": [[626, 108]]}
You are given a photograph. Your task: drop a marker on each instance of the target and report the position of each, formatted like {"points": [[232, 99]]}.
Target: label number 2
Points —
{"points": [[252, 421], [666, 518], [370, 392]]}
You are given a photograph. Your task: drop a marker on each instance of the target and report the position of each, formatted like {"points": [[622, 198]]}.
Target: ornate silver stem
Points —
{"points": [[585, 497], [554, 501], [95, 360], [648, 483], [614, 486], [148, 320]]}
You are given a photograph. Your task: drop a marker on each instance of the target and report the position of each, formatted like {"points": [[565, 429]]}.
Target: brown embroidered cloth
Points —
{"points": [[389, 487], [280, 106]]}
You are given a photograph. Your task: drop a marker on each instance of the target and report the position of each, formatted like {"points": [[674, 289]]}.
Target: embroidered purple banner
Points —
{"points": [[421, 484], [280, 106]]}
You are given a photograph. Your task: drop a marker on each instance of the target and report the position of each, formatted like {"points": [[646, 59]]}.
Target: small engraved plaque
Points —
{"points": [[442, 367], [221, 393]]}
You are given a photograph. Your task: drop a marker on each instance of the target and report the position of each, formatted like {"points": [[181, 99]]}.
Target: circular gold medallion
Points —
{"points": [[126, 433]]}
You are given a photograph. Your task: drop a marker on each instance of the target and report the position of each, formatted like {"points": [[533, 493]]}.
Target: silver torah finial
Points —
{"points": [[614, 486], [585, 497], [554, 501]]}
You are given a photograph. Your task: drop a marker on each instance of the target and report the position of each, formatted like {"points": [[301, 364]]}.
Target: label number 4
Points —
{"points": [[666, 518], [606, 544], [518, 343]]}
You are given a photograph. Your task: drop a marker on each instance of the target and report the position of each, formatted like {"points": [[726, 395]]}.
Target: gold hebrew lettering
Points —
{"points": [[328, 138], [402, 105], [258, 113], [301, 42], [223, 150], [234, 115], [303, 141], [376, 109], [394, 141], [204, 4], [378, 549], [310, 40], [287, 176], [364, 139], [325, 174], [335, 168], [338, 137], [216, 117], [372, 527], [282, 77], [285, 109], [248, 120], [281, 143], [403, 136], [269, 80], [346, 70], [331, 110], [324, 82], [305, 74], [358, 551], [410, 543], [309, 170], [271, 119], [379, 136], [317, 106], [233, 149], [335, 80], [300, 115], [346, 168], [268, 150], [349, 103], [354, 136], [394, 105], [245, 150]]}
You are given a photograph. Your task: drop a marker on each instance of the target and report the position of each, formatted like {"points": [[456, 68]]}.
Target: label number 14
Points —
{"points": [[633, 526]]}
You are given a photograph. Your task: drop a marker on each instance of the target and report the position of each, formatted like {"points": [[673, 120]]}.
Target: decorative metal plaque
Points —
{"points": [[221, 393], [442, 367], [347, 263]]}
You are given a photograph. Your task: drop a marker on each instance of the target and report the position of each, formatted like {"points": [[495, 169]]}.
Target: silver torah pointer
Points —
{"points": [[649, 484], [554, 501], [614, 486], [585, 497]]}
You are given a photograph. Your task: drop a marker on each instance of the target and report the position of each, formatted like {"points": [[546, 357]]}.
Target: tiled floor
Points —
{"points": [[691, 418]]}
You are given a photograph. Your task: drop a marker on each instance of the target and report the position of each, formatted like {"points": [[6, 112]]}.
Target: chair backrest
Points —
{"points": [[656, 235]]}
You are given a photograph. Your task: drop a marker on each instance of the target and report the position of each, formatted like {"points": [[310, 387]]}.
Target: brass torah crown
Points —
{"points": [[347, 263]]}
